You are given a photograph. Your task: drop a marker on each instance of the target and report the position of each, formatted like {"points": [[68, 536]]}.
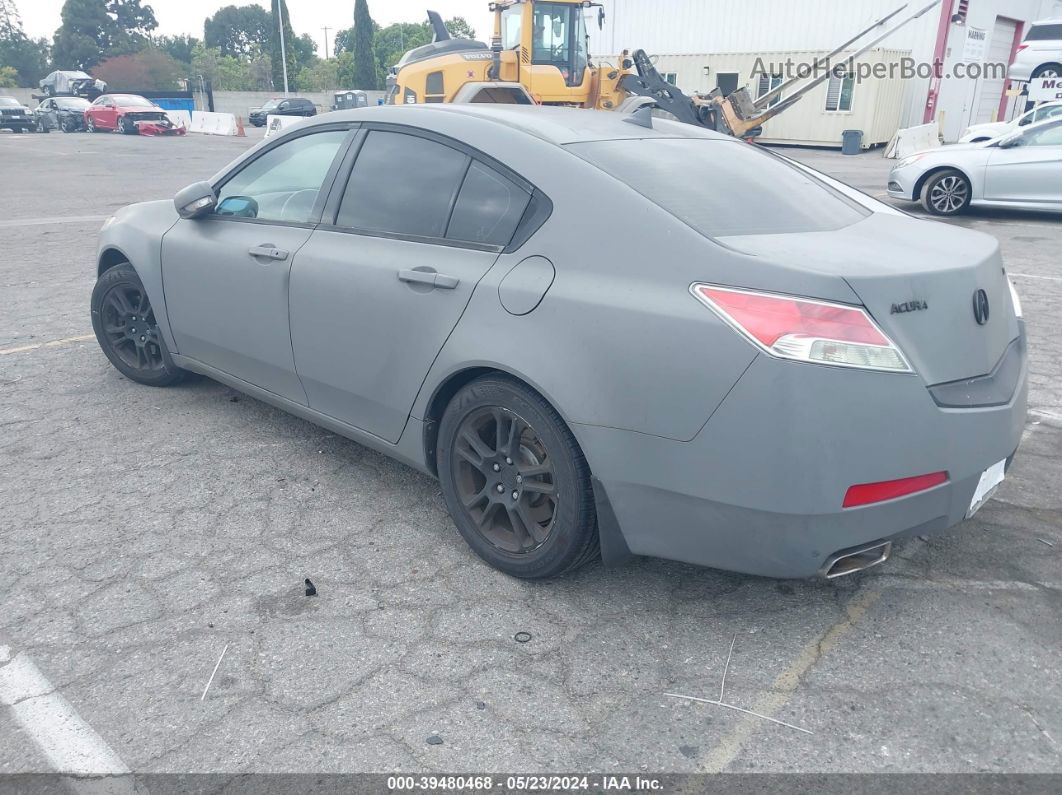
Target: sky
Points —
{"points": [[41, 17]]}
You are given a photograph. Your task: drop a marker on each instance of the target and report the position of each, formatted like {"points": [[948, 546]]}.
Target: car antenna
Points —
{"points": [[643, 117]]}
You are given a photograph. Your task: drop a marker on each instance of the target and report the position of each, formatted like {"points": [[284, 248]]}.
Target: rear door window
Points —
{"points": [[723, 187], [488, 209], [403, 185]]}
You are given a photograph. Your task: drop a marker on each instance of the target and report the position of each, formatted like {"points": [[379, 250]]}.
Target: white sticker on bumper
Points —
{"points": [[990, 479]]}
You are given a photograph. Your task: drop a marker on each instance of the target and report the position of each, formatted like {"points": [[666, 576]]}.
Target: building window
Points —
{"points": [[769, 83], [839, 89], [671, 77]]}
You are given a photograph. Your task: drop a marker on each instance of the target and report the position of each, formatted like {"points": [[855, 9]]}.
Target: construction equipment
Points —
{"points": [[538, 55]]}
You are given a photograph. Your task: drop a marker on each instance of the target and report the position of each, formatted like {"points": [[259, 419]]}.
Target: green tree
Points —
{"points": [[305, 50], [150, 69], [179, 48], [240, 31], [86, 32], [28, 58], [8, 77], [460, 29], [321, 76], [392, 42], [281, 18], [365, 75]]}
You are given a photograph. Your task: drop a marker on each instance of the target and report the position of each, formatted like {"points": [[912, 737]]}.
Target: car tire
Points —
{"points": [[126, 126], [127, 332], [90, 126], [946, 193], [42, 127], [1047, 70], [523, 501]]}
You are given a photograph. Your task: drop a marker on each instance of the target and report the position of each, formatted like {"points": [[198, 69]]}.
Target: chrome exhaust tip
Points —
{"points": [[850, 561]]}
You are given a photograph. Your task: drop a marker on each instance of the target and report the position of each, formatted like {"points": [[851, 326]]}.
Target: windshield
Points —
{"points": [[723, 187], [131, 100], [8, 102], [271, 104], [560, 39], [510, 26]]}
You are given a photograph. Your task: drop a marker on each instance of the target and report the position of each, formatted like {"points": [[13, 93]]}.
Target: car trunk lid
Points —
{"points": [[921, 289]]}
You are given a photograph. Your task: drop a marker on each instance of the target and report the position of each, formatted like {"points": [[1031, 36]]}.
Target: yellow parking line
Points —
{"points": [[52, 344], [787, 682]]}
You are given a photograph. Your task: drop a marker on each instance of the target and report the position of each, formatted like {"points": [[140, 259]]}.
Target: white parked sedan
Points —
{"points": [[976, 133], [1022, 170]]}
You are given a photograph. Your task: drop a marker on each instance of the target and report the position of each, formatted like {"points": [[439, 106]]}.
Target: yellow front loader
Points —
{"points": [[538, 55]]}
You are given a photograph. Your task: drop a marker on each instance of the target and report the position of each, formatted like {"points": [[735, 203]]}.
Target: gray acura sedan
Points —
{"points": [[604, 334]]}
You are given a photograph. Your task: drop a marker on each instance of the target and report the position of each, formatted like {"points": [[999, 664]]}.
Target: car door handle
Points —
{"points": [[433, 278], [267, 251]]}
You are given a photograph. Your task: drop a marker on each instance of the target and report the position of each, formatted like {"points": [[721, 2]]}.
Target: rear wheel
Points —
{"points": [[515, 481], [126, 330], [946, 193]]}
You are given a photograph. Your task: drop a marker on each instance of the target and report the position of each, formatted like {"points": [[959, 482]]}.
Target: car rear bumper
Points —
{"points": [[760, 489]]}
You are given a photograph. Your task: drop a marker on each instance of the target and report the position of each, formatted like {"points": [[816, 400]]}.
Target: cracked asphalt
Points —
{"points": [[144, 530]]}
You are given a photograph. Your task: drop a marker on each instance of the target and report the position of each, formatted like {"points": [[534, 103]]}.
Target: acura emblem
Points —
{"points": [[980, 307]]}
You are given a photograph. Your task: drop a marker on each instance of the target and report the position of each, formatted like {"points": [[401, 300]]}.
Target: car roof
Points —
{"points": [[1054, 21], [553, 124]]}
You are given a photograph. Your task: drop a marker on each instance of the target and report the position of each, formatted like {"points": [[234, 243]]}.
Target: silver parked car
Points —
{"points": [[602, 333], [1040, 54], [1022, 170], [977, 133]]}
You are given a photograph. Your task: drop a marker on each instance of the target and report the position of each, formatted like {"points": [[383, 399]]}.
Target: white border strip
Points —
{"points": [[69, 743]]}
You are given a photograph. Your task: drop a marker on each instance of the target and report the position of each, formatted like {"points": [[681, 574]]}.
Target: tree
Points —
{"points": [[149, 69], [305, 50], [86, 32], [365, 76], [132, 17], [280, 18], [179, 48], [240, 31], [392, 42], [321, 76], [460, 29], [25, 57], [8, 77]]}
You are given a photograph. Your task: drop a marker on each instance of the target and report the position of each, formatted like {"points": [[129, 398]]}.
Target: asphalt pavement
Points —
{"points": [[144, 532]]}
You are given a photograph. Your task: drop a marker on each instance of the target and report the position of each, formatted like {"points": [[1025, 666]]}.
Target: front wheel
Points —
{"points": [[946, 193], [126, 126], [90, 126], [126, 330], [515, 481]]}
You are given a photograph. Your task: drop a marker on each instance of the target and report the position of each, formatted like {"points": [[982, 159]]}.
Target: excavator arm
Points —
{"points": [[738, 113]]}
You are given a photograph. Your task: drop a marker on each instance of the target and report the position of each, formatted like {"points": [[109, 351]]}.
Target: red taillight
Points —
{"points": [[803, 329], [866, 493], [1020, 47]]}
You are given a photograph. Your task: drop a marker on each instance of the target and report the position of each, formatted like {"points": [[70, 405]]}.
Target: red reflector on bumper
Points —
{"points": [[866, 493]]}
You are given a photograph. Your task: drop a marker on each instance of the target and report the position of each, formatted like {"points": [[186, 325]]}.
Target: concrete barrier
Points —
{"points": [[913, 139], [274, 124], [212, 123], [180, 118]]}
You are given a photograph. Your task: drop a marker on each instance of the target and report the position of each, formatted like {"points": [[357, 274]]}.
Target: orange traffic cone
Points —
{"points": [[240, 132]]}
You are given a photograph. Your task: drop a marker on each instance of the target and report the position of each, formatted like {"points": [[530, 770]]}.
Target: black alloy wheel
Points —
{"points": [[515, 481], [127, 331]]}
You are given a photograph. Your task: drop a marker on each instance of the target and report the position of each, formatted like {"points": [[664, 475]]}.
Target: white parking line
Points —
{"points": [[1032, 276], [65, 219], [70, 744]]}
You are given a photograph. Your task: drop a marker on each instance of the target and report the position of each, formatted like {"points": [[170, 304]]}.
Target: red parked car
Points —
{"points": [[130, 114]]}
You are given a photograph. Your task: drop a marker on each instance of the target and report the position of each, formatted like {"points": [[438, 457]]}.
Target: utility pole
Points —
{"points": [[283, 53], [326, 29]]}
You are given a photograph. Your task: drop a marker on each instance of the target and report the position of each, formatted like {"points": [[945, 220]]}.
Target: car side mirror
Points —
{"points": [[195, 201]]}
